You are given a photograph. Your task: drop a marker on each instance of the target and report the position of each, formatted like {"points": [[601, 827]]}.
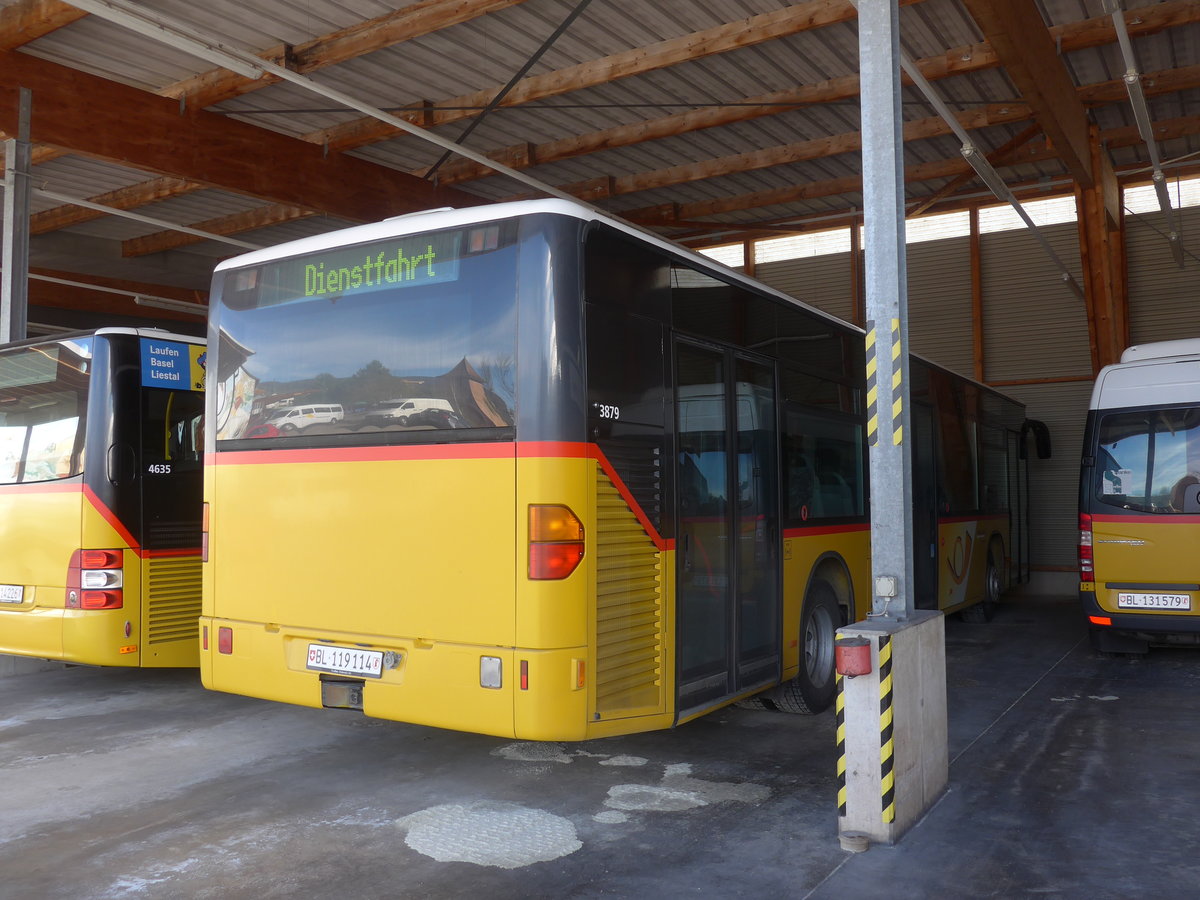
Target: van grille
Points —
{"points": [[174, 599], [629, 609]]}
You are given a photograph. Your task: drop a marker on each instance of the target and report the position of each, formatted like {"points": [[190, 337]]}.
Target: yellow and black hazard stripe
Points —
{"points": [[897, 383], [840, 707], [887, 777], [872, 388]]}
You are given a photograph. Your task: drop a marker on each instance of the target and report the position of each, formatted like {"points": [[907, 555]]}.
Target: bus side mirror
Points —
{"points": [[1041, 438], [122, 464], [1191, 498]]}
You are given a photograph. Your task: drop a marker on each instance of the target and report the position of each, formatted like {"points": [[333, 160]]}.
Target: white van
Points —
{"points": [[296, 418], [402, 412]]}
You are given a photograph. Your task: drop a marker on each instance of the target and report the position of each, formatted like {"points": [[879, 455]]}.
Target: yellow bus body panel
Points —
{"points": [[1134, 551], [841, 550], [40, 529], [962, 559], [413, 555]]}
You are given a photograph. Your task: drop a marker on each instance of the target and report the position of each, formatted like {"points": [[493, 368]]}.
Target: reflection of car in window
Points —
{"points": [[298, 417], [414, 411]]}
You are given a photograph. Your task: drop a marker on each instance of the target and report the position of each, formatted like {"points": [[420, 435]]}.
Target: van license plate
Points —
{"points": [[1154, 601], [12, 593], [345, 660]]}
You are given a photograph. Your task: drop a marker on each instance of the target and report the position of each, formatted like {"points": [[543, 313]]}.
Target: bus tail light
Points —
{"points": [[96, 580], [1086, 567], [1100, 620], [555, 542], [225, 640]]}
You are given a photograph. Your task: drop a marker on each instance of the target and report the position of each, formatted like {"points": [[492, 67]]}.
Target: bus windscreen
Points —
{"points": [[414, 333]]}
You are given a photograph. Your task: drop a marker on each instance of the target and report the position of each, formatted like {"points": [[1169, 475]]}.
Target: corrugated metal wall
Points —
{"points": [[822, 281], [1164, 300], [939, 304], [1033, 325]]}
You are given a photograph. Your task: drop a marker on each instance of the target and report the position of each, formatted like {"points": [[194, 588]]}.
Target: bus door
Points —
{"points": [[727, 597], [925, 508], [170, 466]]}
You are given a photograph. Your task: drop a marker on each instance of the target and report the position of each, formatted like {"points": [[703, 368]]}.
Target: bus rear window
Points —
{"points": [[43, 405], [1145, 460], [415, 333]]}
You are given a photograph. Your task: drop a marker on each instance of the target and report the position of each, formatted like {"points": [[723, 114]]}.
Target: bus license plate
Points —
{"points": [[1154, 601], [345, 660], [12, 593]]}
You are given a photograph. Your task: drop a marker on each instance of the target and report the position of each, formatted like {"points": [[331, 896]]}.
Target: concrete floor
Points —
{"points": [[1071, 776]]}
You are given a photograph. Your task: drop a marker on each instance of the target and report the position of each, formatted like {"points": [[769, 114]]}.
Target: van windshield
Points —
{"points": [[1147, 460], [413, 333]]}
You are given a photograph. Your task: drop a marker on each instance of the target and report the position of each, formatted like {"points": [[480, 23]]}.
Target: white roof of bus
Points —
{"points": [[1152, 378], [436, 219]]}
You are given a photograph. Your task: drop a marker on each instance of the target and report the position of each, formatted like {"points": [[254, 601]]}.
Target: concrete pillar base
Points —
{"points": [[893, 760]]}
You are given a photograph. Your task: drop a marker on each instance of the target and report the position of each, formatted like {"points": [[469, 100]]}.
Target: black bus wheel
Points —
{"points": [[811, 691], [992, 588]]}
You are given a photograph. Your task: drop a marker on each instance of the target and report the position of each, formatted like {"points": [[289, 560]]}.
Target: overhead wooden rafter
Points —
{"points": [[1088, 33], [138, 129]]}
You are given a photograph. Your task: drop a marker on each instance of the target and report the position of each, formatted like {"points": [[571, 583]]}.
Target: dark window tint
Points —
{"points": [[356, 331], [822, 466], [43, 407], [1148, 460]]}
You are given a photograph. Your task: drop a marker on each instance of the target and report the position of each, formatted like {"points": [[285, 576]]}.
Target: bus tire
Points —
{"points": [[812, 690], [993, 587]]}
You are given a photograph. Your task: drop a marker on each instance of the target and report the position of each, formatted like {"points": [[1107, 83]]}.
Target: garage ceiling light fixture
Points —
{"points": [[1141, 115], [140, 299]]}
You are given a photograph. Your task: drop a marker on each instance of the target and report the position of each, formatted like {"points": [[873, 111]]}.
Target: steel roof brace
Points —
{"points": [[984, 169], [1141, 115], [512, 82], [14, 280], [158, 26]]}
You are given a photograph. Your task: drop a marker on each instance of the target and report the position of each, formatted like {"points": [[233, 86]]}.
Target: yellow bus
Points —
{"points": [[632, 487], [100, 497], [1139, 500]]}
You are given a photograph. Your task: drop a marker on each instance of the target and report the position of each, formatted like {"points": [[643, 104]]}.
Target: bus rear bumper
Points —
{"points": [[83, 637], [442, 684], [1128, 632]]}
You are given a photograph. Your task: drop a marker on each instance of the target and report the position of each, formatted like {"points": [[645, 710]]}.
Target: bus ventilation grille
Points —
{"points": [[629, 609], [174, 598], [162, 535]]}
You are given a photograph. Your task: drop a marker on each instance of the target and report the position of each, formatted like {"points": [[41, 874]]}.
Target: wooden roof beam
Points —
{"points": [[605, 186], [637, 61], [136, 128], [26, 21], [1036, 151], [957, 61], [1016, 31], [960, 60], [386, 30], [236, 223]]}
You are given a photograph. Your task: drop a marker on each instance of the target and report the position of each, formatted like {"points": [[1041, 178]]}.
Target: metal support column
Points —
{"points": [[14, 280], [888, 409]]}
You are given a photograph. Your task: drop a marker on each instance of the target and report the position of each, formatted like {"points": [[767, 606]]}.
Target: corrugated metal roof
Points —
{"points": [[483, 53]]}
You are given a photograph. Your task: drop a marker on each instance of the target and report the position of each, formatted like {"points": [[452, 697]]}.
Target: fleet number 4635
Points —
{"points": [[159, 469]]}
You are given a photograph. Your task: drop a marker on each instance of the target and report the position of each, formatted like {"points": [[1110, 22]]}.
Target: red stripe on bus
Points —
{"points": [[826, 529], [362, 454], [110, 517], [48, 487], [1160, 519], [161, 554]]}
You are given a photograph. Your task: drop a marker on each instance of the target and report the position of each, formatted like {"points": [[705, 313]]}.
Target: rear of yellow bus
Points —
{"points": [[435, 571], [1139, 521], [100, 500]]}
